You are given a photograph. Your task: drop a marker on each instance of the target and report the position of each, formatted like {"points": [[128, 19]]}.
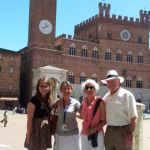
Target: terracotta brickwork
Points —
{"points": [[9, 73], [92, 50]]}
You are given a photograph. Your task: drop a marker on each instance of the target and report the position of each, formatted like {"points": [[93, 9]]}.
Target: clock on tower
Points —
{"points": [[42, 23]]}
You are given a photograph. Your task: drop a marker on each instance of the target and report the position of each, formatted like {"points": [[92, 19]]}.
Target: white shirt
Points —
{"points": [[120, 107]]}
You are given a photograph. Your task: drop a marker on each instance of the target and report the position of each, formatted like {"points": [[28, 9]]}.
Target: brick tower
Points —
{"points": [[41, 36], [42, 22]]}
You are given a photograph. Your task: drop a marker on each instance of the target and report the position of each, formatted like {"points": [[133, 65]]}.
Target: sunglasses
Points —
{"points": [[89, 87]]}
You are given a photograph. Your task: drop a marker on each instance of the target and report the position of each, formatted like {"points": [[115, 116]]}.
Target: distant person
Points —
{"points": [[38, 136], [5, 119], [148, 111], [121, 114], [67, 131], [92, 133]]}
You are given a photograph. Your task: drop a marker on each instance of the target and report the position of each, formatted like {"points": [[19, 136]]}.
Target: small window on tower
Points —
{"points": [[140, 39], [109, 35]]}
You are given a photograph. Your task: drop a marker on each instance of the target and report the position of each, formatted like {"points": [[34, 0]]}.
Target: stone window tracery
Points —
{"points": [[108, 54]]}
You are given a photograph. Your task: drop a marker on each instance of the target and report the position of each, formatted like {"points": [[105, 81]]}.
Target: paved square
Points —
{"points": [[12, 137]]}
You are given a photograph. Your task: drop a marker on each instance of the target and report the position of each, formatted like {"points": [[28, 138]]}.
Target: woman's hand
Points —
{"points": [[27, 140]]}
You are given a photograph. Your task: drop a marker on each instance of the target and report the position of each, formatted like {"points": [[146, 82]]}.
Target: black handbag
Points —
{"points": [[93, 137]]}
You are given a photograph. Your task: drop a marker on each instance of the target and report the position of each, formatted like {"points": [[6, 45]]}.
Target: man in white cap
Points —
{"points": [[121, 114]]}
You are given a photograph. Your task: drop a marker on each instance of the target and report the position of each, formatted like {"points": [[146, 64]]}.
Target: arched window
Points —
{"points": [[119, 55], [72, 50], [84, 51], [139, 82], [128, 82], [71, 77], [129, 57], [140, 58], [94, 77], [95, 53], [108, 54], [82, 77]]}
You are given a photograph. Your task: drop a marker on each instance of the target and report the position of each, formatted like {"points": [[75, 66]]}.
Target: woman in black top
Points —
{"points": [[38, 135]]}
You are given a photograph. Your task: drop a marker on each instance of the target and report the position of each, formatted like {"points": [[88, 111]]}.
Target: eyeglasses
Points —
{"points": [[89, 87], [43, 86]]}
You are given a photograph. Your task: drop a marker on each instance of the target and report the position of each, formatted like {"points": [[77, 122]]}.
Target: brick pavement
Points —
{"points": [[12, 137]]}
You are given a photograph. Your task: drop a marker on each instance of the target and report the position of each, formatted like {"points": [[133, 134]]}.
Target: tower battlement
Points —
{"points": [[144, 16], [104, 9], [104, 12], [87, 21], [64, 36]]}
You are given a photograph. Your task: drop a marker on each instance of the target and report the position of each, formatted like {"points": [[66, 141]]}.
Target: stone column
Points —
{"points": [[138, 135]]}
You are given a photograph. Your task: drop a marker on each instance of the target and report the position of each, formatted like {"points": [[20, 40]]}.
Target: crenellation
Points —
{"points": [[131, 19], [137, 20], [81, 24], [145, 12], [61, 36], [100, 4], [141, 11], [104, 12], [84, 22], [125, 18], [77, 26], [96, 16], [64, 36], [69, 36], [144, 16], [120, 17], [113, 16]]}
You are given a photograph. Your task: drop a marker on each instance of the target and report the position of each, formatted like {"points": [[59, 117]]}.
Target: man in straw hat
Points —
{"points": [[121, 114]]}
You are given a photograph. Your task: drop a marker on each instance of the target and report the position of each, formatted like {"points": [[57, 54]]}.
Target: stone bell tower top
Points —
{"points": [[104, 9], [144, 16], [42, 23]]}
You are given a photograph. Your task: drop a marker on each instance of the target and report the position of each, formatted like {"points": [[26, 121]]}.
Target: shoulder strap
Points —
{"points": [[96, 105]]}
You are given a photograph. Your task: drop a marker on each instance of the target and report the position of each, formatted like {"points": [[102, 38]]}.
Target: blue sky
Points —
{"points": [[14, 15]]}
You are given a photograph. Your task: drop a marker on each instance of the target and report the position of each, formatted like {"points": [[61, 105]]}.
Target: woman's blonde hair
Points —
{"points": [[66, 82]]}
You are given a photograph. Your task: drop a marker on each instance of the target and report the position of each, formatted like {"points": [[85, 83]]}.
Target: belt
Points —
{"points": [[117, 127]]}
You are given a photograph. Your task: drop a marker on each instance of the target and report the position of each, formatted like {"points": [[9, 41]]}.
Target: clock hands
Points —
{"points": [[45, 26]]}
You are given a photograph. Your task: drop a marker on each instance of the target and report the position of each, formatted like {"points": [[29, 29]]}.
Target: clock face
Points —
{"points": [[125, 35], [45, 26]]}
